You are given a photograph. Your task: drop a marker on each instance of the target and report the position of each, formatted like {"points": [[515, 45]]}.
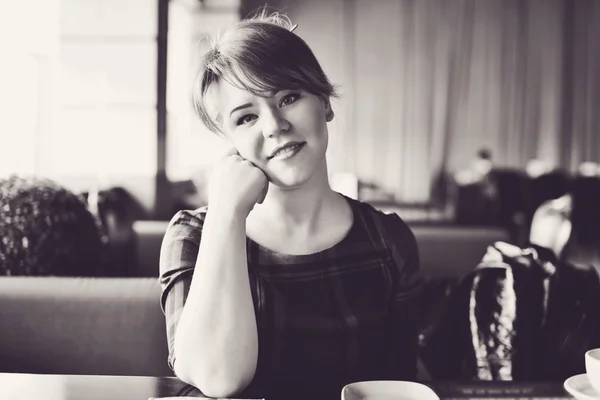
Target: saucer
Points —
{"points": [[580, 387], [386, 390]]}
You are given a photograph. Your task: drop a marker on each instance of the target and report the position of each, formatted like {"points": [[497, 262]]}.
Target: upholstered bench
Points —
{"points": [[114, 326], [104, 326], [446, 251]]}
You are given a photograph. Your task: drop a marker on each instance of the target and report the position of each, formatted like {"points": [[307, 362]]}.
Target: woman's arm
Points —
{"points": [[216, 339], [212, 325]]}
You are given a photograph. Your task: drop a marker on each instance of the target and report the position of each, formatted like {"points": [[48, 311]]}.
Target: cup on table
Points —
{"points": [[388, 390], [592, 367]]}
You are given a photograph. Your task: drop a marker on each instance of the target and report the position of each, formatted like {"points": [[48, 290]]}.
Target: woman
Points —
{"points": [[281, 287]]}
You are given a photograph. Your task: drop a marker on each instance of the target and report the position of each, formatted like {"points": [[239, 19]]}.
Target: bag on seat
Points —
{"points": [[519, 315]]}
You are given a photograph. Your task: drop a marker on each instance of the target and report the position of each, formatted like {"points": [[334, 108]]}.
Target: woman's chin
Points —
{"points": [[288, 183], [294, 176]]}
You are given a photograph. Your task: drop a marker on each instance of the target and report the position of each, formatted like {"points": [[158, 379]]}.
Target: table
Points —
{"points": [[500, 390], [100, 387], [89, 387]]}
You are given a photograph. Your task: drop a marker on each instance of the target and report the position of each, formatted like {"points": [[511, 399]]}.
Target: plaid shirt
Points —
{"points": [[341, 315]]}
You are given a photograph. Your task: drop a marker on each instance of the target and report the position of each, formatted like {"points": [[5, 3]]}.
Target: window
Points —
{"points": [[81, 79], [191, 147]]}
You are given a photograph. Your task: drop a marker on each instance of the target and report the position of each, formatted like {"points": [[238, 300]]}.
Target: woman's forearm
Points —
{"points": [[216, 343]]}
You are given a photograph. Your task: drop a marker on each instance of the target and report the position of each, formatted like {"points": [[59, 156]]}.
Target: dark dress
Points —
{"points": [[344, 314]]}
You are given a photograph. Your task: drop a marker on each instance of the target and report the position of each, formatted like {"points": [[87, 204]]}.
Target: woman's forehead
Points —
{"points": [[228, 93]]}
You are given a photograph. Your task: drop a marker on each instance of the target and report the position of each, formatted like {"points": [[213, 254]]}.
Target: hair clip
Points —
{"points": [[293, 27]]}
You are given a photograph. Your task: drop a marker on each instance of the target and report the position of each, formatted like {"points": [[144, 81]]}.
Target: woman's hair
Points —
{"points": [[46, 230], [260, 54]]}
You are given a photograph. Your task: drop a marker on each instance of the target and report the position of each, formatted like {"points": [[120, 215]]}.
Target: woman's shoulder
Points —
{"points": [[390, 227], [188, 220], [385, 222], [397, 239], [180, 244]]}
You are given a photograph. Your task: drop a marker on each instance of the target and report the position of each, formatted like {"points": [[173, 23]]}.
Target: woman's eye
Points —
{"points": [[288, 99], [245, 119]]}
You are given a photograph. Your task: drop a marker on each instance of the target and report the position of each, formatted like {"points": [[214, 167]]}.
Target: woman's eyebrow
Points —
{"points": [[240, 108]]}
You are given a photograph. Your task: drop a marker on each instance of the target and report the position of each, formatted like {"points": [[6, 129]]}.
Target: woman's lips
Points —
{"points": [[288, 151]]}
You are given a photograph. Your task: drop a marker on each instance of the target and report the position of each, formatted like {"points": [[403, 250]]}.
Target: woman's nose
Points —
{"points": [[275, 123]]}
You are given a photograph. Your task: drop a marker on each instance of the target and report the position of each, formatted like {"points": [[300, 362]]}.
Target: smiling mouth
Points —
{"points": [[287, 151]]}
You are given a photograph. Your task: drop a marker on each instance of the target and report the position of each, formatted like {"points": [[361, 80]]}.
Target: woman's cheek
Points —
{"points": [[248, 150]]}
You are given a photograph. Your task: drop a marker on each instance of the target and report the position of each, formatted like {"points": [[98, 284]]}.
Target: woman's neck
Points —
{"points": [[299, 208]]}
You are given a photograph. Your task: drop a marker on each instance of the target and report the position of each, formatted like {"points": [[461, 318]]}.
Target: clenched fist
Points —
{"points": [[236, 184]]}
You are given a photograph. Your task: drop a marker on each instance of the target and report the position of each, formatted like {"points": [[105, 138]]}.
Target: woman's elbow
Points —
{"points": [[223, 388], [217, 385]]}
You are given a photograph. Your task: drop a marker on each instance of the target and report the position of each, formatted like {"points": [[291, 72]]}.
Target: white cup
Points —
{"points": [[592, 367], [388, 390]]}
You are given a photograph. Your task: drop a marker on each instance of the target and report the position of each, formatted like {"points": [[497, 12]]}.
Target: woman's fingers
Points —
{"points": [[232, 151]]}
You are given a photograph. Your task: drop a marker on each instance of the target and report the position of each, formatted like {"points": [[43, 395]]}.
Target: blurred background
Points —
{"points": [[450, 110]]}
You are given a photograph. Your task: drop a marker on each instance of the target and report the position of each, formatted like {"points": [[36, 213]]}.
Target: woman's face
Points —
{"points": [[284, 134]]}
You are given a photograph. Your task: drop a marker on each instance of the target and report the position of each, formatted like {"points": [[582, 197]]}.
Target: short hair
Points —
{"points": [[46, 230], [260, 54]]}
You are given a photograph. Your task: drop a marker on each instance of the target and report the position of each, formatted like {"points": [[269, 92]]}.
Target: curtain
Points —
{"points": [[433, 81], [581, 113]]}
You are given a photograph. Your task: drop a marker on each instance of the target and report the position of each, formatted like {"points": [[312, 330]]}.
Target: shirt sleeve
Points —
{"points": [[178, 255], [407, 286]]}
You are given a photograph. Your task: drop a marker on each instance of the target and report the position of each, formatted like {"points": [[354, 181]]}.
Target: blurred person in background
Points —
{"points": [[282, 288], [570, 224], [47, 230], [476, 196], [537, 167], [478, 169], [545, 181], [115, 210]]}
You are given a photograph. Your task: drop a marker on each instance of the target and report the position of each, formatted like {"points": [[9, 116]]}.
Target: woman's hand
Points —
{"points": [[236, 184]]}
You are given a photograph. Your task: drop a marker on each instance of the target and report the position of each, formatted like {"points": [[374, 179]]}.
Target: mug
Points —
{"points": [[592, 367], [388, 390]]}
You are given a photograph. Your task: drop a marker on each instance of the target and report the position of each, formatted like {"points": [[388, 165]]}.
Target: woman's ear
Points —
{"points": [[329, 114]]}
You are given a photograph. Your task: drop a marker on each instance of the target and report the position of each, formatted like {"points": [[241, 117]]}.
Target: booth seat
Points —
{"points": [[446, 251], [148, 239], [99, 326], [114, 326], [451, 251]]}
